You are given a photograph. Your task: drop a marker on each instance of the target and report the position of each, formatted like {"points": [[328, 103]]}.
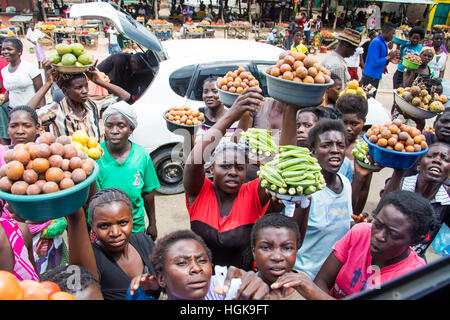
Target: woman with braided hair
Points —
{"points": [[120, 254], [76, 111]]}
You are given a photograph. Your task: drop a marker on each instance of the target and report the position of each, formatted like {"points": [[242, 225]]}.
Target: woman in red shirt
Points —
{"points": [[370, 254], [223, 212]]}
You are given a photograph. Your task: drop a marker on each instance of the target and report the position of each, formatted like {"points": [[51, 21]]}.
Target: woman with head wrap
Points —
{"points": [[223, 212], [128, 166], [76, 111]]}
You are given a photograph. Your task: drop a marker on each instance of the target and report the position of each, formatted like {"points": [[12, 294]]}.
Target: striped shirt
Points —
{"points": [[60, 119]]}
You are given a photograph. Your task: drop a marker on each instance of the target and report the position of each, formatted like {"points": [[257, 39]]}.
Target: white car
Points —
{"points": [[179, 68]]}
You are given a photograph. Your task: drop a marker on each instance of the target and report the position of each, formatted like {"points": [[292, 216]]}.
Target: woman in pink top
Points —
{"points": [[16, 248], [370, 254]]}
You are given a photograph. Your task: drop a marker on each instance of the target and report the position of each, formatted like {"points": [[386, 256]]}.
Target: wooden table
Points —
{"points": [[239, 32], [225, 29]]}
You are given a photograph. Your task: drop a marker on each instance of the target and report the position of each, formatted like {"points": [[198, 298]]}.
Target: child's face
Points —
{"points": [[333, 91], [275, 252], [353, 125]]}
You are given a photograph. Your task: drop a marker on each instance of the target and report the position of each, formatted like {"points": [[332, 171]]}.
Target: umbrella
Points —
{"points": [[190, 4]]}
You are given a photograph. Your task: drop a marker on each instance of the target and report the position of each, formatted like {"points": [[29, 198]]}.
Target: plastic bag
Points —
{"points": [[441, 242]]}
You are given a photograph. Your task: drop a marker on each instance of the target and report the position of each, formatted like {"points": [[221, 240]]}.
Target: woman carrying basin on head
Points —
{"points": [[76, 111]]}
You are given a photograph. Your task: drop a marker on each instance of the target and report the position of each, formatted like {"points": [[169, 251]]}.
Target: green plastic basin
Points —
{"points": [[44, 207]]}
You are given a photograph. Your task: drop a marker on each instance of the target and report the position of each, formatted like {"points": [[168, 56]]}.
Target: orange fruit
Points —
{"points": [[275, 72], [399, 146], [288, 75], [62, 295], [14, 170], [409, 148], [308, 79], [301, 72], [33, 290], [312, 72], [50, 287], [9, 287], [55, 174], [382, 142], [285, 67]]}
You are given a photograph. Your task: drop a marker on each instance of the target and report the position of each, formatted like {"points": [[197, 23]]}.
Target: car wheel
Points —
{"points": [[169, 171]]}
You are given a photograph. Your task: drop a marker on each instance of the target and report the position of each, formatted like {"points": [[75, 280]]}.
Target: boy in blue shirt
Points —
{"points": [[378, 56]]}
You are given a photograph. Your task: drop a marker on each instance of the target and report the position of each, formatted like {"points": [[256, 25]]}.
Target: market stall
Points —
{"points": [[239, 30], [162, 29], [19, 23]]}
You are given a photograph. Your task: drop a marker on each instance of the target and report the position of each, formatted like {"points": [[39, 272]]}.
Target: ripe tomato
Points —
{"points": [[9, 287], [33, 290], [50, 287]]}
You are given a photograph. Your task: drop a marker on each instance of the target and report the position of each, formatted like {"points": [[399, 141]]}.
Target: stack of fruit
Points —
{"points": [[353, 88], [237, 81], [413, 58], [420, 97], [48, 165], [260, 142], [185, 116], [12, 289], [71, 55], [293, 171], [89, 145], [397, 136], [195, 30], [298, 67], [204, 23], [360, 152]]}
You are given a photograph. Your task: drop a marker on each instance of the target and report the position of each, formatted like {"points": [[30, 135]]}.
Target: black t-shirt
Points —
{"points": [[114, 282], [117, 68]]}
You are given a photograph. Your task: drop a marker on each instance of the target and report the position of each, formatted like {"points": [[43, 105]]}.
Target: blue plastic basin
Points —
{"points": [[44, 207], [391, 158]]}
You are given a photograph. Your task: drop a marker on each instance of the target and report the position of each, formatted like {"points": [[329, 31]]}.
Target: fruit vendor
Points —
{"points": [[424, 72], [129, 166], [439, 61], [416, 35], [402, 219], [222, 212], [430, 182], [328, 216], [76, 111], [348, 41]]}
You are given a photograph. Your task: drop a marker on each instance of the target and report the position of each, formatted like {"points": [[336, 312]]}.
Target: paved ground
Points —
{"points": [[171, 210]]}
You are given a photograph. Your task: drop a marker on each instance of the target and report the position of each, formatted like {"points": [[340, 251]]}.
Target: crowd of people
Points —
{"points": [[279, 250]]}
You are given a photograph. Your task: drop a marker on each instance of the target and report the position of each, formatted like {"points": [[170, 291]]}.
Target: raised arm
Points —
{"points": [[194, 172]]}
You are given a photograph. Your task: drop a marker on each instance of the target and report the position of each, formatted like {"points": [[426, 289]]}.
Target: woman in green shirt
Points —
{"points": [[128, 166]]}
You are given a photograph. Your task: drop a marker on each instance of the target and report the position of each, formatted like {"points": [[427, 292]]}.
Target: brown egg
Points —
{"points": [[55, 160], [67, 174], [22, 156], [50, 187], [66, 183], [54, 174], [312, 71], [309, 62], [78, 175], [19, 187], [75, 162], [14, 170], [47, 138], [30, 176], [308, 79], [88, 166], [40, 183], [301, 72], [70, 151], [284, 68], [57, 148], [8, 156], [5, 184], [40, 165], [319, 79], [43, 151], [33, 189], [288, 75]]}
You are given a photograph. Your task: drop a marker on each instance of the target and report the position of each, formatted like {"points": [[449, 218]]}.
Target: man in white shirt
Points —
{"points": [[33, 35], [113, 45]]}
